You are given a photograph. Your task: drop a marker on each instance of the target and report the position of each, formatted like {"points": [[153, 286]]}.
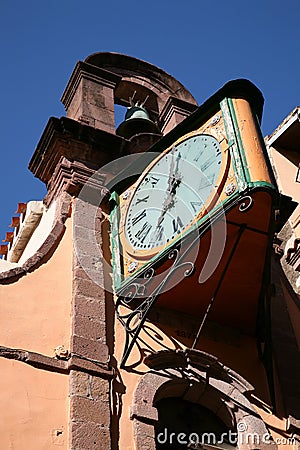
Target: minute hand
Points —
{"points": [[174, 177], [168, 203], [169, 198], [173, 183], [171, 172]]}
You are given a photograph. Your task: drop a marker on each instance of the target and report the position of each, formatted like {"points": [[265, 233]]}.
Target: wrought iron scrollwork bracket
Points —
{"points": [[137, 292], [246, 203]]}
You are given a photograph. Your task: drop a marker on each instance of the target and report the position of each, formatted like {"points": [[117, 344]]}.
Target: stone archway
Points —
{"points": [[200, 378]]}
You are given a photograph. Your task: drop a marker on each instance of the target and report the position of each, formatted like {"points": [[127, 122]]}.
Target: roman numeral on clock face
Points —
{"points": [[196, 206], [208, 163], [139, 217], [143, 232], [141, 200], [156, 235], [196, 158], [152, 180], [206, 181], [177, 224]]}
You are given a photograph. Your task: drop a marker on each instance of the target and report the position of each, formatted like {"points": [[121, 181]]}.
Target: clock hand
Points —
{"points": [[176, 177], [173, 183], [171, 172], [169, 201], [169, 198], [177, 162]]}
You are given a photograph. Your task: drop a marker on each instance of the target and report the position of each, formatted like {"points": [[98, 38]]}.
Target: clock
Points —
{"points": [[199, 215], [173, 191], [172, 197]]}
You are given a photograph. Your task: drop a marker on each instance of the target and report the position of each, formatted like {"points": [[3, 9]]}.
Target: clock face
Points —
{"points": [[173, 192]]}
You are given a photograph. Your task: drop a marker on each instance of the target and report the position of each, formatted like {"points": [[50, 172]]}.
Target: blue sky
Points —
{"points": [[202, 44]]}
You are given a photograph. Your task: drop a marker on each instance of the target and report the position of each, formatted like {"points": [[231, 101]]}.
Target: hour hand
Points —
{"points": [[168, 203], [157, 235], [174, 177], [171, 172]]}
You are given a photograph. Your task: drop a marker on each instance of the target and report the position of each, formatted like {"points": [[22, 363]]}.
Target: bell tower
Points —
{"points": [[105, 79], [70, 152]]}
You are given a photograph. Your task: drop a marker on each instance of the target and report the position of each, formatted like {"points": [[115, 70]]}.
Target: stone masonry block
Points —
{"points": [[89, 410], [88, 263], [79, 384], [89, 436], [86, 348], [89, 273], [88, 247], [99, 388], [92, 309], [90, 329], [87, 288]]}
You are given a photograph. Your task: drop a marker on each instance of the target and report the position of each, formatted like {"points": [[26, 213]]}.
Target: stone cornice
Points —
{"points": [[176, 105], [89, 72], [68, 138]]}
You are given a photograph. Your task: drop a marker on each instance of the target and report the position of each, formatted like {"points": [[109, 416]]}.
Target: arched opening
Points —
{"points": [[192, 392], [120, 112], [183, 424]]}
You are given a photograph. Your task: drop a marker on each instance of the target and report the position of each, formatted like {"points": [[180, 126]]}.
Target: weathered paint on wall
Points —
{"points": [[36, 309], [34, 407]]}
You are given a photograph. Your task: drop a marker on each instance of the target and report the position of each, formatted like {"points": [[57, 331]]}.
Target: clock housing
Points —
{"points": [[203, 165]]}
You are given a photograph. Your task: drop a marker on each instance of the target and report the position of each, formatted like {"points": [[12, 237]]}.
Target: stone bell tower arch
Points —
{"points": [[105, 79]]}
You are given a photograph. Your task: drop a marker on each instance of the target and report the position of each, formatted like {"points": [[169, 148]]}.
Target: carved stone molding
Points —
{"points": [[68, 138], [199, 378], [56, 364], [174, 111], [89, 96]]}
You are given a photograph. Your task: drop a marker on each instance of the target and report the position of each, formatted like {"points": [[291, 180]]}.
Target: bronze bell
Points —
{"points": [[137, 120]]}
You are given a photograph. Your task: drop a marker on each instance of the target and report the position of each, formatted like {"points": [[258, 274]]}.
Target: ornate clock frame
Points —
{"points": [[232, 116]]}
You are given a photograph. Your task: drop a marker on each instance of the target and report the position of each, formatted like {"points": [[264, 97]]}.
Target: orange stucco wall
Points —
{"points": [[35, 316], [33, 407], [35, 310], [286, 177]]}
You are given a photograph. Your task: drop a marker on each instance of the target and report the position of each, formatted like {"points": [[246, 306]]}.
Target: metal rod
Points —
{"points": [[254, 230], [241, 230]]}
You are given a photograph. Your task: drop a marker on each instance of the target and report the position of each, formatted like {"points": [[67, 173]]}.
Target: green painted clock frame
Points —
{"points": [[230, 122]]}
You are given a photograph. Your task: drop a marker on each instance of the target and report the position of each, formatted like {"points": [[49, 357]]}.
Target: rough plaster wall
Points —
{"points": [[33, 407]]}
